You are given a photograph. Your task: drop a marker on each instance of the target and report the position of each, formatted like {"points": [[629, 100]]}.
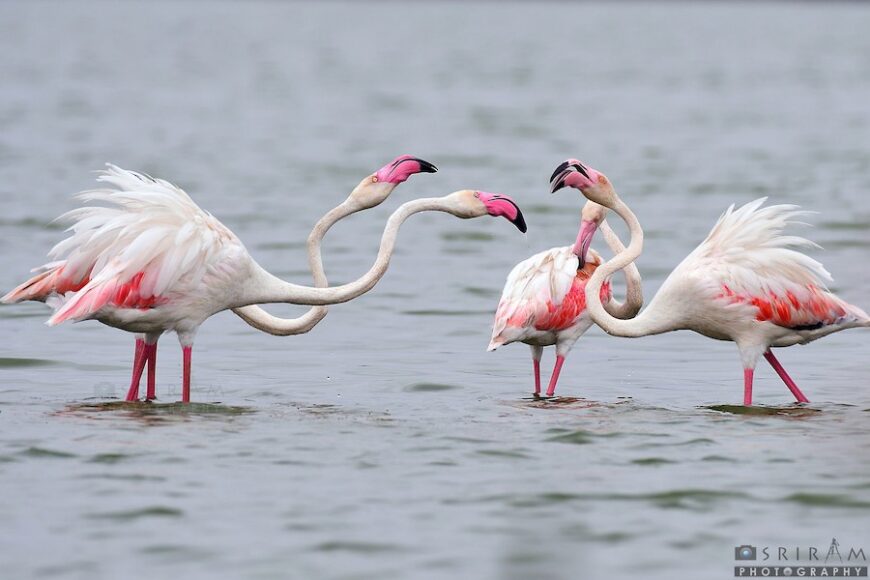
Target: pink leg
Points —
{"points": [[551, 389], [801, 398], [185, 387], [151, 353], [537, 366], [747, 386], [138, 366]]}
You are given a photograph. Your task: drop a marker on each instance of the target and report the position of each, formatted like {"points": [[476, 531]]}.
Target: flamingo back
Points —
{"points": [[129, 253]]}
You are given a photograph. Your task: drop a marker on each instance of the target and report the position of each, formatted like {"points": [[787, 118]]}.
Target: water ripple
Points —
{"points": [[137, 514]]}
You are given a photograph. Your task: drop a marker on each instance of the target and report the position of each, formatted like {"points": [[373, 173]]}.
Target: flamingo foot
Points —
{"points": [[185, 387], [551, 389], [792, 386], [747, 386], [138, 366]]}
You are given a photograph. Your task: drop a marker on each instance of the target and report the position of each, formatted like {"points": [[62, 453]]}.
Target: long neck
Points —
{"points": [[262, 320], [647, 322], [633, 288], [264, 287]]}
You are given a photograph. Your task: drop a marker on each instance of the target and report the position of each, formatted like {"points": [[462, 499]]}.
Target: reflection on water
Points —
{"points": [[387, 443], [149, 411], [796, 411]]}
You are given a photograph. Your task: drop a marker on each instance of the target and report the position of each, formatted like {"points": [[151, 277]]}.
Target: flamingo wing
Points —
{"points": [[130, 253], [535, 289], [748, 262]]}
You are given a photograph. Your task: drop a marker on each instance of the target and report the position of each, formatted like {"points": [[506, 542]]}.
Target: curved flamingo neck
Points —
{"points": [[262, 320], [646, 322], [633, 287], [263, 287]]}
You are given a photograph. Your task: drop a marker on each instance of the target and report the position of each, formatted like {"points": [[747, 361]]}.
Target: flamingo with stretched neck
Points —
{"points": [[744, 283], [370, 192], [153, 261], [544, 302]]}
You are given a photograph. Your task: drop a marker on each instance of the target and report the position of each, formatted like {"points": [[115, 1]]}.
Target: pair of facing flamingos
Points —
{"points": [[152, 261]]}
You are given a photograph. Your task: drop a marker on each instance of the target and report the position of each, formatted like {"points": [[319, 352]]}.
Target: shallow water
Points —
{"points": [[387, 443]]}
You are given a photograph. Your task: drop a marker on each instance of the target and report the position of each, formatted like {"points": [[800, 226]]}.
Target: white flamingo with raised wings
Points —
{"points": [[544, 301], [153, 261], [53, 284], [744, 283]]}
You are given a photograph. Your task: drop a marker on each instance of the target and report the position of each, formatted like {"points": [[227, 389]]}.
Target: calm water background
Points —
{"points": [[387, 443]]}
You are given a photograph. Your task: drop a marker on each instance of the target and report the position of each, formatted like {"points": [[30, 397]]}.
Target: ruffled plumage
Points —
{"points": [[748, 260], [147, 241]]}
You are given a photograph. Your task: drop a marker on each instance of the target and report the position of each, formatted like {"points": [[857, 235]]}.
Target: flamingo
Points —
{"points": [[370, 192], [543, 302], [154, 261], [745, 282]]}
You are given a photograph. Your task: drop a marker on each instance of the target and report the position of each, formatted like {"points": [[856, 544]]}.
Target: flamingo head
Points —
{"points": [[378, 186], [592, 183], [590, 218], [469, 203]]}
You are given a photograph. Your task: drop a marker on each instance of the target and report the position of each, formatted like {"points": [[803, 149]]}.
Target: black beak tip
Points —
{"points": [[559, 170], [520, 222], [425, 166], [580, 262], [558, 185]]}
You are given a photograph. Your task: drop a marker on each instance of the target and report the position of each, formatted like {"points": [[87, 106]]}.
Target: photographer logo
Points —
{"points": [[800, 561]]}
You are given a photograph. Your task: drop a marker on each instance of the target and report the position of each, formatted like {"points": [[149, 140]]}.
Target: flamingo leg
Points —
{"points": [[747, 386], [537, 351], [551, 389], [185, 387], [151, 353], [138, 366], [792, 386]]}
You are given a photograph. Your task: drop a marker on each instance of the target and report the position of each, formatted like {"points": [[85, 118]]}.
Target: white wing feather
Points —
{"points": [[147, 226], [746, 248], [545, 278], [747, 256]]}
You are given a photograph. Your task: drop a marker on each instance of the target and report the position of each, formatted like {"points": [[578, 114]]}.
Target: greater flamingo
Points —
{"points": [[744, 283], [544, 303], [370, 192], [156, 262]]}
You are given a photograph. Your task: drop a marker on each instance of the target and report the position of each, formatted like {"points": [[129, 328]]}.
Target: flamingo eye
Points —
{"points": [[374, 178]]}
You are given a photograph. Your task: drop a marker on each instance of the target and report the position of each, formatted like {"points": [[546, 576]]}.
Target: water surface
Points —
{"points": [[387, 443]]}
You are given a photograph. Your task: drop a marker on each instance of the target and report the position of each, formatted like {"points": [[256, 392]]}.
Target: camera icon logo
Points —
{"points": [[745, 552]]}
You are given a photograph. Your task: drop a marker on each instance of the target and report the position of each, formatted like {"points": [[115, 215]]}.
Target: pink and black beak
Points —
{"points": [[562, 175], [503, 206], [403, 167], [584, 240], [572, 173]]}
